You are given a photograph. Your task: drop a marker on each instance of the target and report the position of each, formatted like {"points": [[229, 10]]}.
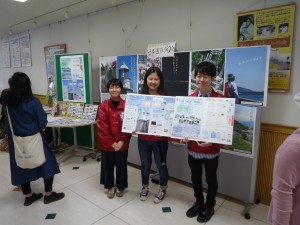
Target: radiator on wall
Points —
{"points": [[271, 137]]}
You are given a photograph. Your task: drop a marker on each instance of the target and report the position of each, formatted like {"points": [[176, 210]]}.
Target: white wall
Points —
{"points": [[213, 26]]}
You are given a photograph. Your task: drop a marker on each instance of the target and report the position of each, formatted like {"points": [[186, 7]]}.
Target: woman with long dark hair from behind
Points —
{"points": [[28, 118], [153, 85]]}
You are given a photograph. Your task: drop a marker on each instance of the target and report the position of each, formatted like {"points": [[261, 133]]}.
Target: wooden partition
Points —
{"points": [[271, 137]]}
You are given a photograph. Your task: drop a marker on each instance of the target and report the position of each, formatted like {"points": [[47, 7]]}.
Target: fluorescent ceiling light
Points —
{"points": [[20, 0]]}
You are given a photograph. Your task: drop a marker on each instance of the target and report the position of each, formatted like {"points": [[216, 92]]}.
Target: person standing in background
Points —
{"points": [[204, 153], [148, 144], [28, 117], [285, 203], [113, 142]]}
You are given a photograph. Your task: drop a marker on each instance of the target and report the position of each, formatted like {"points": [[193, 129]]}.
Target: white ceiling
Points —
{"points": [[19, 17]]}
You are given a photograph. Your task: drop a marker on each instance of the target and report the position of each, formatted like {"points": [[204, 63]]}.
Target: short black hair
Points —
{"points": [[114, 82], [206, 68]]}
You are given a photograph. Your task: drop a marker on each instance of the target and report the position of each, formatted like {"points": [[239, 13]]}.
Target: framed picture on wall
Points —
{"points": [[272, 26]]}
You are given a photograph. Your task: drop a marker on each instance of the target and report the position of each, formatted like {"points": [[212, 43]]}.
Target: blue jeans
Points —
{"points": [[160, 150]]}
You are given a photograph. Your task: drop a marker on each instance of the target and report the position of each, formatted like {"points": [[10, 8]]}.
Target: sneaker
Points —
{"points": [[111, 192], [53, 197], [34, 197], [160, 196], [144, 193], [119, 193]]}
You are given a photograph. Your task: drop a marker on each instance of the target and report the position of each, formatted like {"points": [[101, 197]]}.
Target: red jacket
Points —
{"points": [[109, 125], [193, 146]]}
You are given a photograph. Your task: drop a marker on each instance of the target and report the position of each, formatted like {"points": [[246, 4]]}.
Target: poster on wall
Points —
{"points": [[5, 53], [14, 44], [246, 70], [73, 78], [275, 27], [176, 73], [127, 73], [108, 65], [50, 52], [25, 50], [243, 131], [215, 56]]}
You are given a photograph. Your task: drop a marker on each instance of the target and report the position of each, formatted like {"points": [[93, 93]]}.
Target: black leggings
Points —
{"points": [[26, 189]]}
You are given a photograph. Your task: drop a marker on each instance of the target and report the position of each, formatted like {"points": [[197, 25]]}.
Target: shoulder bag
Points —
{"points": [[29, 150]]}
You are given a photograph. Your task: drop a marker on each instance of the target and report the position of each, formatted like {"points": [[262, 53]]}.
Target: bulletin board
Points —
{"points": [[73, 71]]}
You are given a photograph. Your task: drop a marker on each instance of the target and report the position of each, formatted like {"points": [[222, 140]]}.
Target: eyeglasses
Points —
{"points": [[204, 76]]}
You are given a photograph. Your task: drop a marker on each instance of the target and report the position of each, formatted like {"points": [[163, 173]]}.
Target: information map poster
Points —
{"points": [[204, 119], [148, 114], [275, 27], [201, 119]]}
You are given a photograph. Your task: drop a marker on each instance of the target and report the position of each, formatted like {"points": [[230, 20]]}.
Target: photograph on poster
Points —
{"points": [[144, 63], [278, 60], [176, 71], [243, 130], [215, 56], [265, 31], [72, 67], [250, 68], [66, 68], [107, 71], [73, 90], [127, 73], [246, 27], [283, 28]]}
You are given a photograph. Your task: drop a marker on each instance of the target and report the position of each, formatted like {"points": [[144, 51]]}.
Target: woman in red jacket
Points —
{"points": [[203, 153], [113, 142]]}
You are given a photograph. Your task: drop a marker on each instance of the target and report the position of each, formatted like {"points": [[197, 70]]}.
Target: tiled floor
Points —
{"points": [[86, 203]]}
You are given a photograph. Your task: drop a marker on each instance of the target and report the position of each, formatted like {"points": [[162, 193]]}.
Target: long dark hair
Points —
{"points": [[161, 87], [20, 89]]}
